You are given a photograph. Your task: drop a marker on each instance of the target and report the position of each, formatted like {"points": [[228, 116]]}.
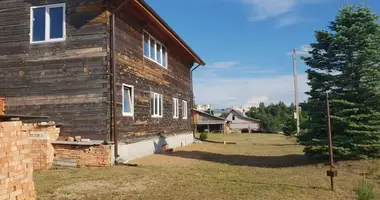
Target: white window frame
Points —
{"points": [[160, 105], [184, 109], [155, 50], [47, 23], [175, 108], [132, 100]]}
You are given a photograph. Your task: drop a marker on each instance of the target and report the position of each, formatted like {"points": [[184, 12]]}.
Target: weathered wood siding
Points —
{"points": [[146, 77], [64, 80]]}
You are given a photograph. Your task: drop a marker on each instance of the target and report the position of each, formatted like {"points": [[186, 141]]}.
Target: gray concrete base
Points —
{"points": [[152, 146]]}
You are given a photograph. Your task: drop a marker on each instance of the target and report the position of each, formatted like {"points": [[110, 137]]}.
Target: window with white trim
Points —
{"points": [[155, 50], [128, 100], [156, 104], [184, 109], [175, 108], [48, 23]]}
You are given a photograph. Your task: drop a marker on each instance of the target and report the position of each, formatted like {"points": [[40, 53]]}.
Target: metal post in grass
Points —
{"points": [[332, 172]]}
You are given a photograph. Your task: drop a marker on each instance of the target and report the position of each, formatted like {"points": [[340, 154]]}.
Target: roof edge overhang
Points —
{"points": [[218, 118], [169, 30]]}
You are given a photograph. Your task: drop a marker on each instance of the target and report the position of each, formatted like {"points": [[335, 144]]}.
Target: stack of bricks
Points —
{"points": [[2, 106], [85, 155], [16, 163], [42, 151]]}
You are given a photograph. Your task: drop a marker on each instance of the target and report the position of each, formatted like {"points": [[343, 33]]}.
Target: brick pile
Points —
{"points": [[16, 163], [2, 106], [84, 155], [42, 151]]}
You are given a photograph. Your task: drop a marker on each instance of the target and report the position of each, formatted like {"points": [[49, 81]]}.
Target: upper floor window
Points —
{"points": [[156, 104], [154, 50], [233, 117], [47, 23], [128, 103], [184, 109], [175, 108]]}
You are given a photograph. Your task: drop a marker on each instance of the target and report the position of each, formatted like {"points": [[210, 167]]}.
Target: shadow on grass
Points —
{"points": [[292, 186], [280, 145], [292, 160]]}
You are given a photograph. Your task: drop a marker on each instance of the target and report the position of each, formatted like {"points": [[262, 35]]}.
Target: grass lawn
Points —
{"points": [[260, 166]]}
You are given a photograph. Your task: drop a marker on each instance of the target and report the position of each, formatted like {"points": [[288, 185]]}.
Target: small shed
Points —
{"points": [[204, 121]]}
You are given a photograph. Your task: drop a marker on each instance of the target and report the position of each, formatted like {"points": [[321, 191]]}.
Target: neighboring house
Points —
{"points": [[205, 121], [57, 59], [241, 123]]}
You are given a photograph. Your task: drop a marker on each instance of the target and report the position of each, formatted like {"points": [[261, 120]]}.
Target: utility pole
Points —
{"points": [[332, 172], [296, 90]]}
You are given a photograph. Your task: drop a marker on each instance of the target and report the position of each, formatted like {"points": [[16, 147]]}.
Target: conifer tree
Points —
{"points": [[345, 62]]}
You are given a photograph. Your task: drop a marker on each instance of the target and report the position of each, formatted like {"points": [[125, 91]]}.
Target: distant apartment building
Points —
{"points": [[204, 107], [242, 109]]}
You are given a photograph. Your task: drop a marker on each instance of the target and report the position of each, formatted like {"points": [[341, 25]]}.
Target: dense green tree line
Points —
{"points": [[275, 117]]}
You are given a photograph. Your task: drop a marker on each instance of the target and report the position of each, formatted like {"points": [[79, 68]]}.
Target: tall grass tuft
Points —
{"points": [[365, 190]]}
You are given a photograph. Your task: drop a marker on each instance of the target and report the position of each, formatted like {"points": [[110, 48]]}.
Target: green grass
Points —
{"points": [[260, 166], [365, 191]]}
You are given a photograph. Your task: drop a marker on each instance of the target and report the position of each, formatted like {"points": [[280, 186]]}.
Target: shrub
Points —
{"points": [[364, 191], [203, 136]]}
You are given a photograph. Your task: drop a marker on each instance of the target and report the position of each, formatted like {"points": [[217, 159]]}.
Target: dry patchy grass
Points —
{"points": [[260, 166]]}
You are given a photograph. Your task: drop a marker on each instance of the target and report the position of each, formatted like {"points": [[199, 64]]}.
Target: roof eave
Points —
{"points": [[170, 30]]}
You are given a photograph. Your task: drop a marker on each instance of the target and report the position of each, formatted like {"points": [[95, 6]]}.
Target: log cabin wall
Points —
{"points": [[146, 77], [65, 80]]}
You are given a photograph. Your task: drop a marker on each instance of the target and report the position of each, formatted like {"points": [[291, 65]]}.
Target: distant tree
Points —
{"points": [[290, 127], [274, 117], [345, 62]]}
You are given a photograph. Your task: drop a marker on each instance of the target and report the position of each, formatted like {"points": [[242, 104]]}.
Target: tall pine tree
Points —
{"points": [[345, 62]]}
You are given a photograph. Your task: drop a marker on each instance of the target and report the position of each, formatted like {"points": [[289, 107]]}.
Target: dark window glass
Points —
{"points": [[152, 49], [56, 22], [156, 105], [161, 104], [158, 47], [164, 56], [146, 45], [39, 24]]}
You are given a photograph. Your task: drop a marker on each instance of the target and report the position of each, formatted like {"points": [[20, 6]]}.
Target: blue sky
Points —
{"points": [[246, 44]]}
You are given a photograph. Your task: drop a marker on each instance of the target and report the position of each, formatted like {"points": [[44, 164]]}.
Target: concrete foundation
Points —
{"points": [[153, 145]]}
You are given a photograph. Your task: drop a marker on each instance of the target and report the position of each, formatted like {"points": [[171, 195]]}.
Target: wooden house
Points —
{"points": [[205, 122], [241, 123], [102, 69]]}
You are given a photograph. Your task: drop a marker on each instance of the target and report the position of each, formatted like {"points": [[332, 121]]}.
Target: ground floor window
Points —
{"points": [[156, 104], [184, 109], [128, 104], [175, 108]]}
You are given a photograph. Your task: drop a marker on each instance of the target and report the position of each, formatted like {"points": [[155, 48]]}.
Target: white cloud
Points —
{"points": [[265, 9], [223, 65], [303, 50], [227, 92]]}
